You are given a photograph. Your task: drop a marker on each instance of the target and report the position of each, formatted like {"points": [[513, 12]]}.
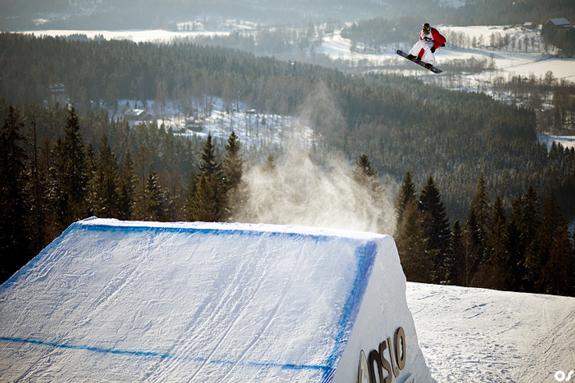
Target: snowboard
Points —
{"points": [[419, 62]]}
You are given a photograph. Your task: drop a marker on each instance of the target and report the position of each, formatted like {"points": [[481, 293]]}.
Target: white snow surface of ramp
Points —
{"points": [[140, 301]]}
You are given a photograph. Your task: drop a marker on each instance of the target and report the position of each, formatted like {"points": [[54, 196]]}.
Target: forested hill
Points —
{"points": [[505, 12], [147, 14], [385, 29], [122, 69], [402, 124]]}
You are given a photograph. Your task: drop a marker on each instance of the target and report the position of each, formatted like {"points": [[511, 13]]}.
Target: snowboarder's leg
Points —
{"points": [[426, 55], [416, 50]]}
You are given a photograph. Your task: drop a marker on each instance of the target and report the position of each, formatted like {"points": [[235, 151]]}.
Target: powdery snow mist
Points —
{"points": [[297, 190]]}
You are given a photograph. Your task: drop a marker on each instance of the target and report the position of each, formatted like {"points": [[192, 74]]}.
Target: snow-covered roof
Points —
{"points": [[134, 112], [560, 22]]}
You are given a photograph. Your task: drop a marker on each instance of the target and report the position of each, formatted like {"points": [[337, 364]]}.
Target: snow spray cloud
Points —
{"points": [[297, 190]]}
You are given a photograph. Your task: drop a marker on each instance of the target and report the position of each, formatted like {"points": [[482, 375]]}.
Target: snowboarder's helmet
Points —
{"points": [[426, 28]]}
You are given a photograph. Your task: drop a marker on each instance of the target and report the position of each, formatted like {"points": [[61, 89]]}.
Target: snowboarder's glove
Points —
{"points": [[432, 49], [442, 45]]}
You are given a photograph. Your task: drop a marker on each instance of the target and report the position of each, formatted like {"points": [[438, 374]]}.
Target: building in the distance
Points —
{"points": [[560, 33], [58, 93], [190, 26]]}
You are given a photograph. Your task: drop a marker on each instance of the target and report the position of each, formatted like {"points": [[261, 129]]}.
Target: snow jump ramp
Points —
{"points": [[114, 301]]}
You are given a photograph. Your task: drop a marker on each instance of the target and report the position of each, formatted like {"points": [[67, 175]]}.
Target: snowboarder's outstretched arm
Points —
{"points": [[438, 40]]}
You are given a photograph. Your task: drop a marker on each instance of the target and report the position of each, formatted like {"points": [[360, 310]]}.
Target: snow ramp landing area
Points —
{"points": [[113, 301]]}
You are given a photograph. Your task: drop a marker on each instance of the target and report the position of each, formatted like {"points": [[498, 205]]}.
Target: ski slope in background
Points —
{"points": [[140, 301]]}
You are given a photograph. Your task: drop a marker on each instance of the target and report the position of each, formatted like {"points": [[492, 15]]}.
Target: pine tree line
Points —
{"points": [[524, 248], [77, 180], [45, 187]]}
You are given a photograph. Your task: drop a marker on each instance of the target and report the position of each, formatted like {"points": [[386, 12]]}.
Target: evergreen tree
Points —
{"points": [[515, 270], [480, 203], [209, 163], [36, 191], [233, 162], [152, 204], [364, 171], [454, 263], [73, 149], [406, 194], [558, 271], [554, 257], [473, 241], [73, 171], [126, 188], [411, 243], [109, 186], [480, 207], [435, 226], [232, 171], [492, 271], [191, 198], [57, 198], [91, 161], [208, 203], [545, 240], [13, 250], [365, 175], [103, 186], [530, 222]]}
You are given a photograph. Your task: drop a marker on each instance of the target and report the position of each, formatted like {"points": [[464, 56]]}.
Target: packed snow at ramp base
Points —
{"points": [[136, 301], [486, 336]]}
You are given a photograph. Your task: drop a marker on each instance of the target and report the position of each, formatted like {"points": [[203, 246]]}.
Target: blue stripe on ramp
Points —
{"points": [[162, 355]]}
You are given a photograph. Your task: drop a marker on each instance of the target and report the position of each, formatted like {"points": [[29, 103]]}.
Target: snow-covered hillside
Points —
{"points": [[479, 335], [252, 128], [219, 119]]}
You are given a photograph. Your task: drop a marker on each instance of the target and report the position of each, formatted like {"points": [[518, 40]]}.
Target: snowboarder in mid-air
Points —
{"points": [[423, 50]]}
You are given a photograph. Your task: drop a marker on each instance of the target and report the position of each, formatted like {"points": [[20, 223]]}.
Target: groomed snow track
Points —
{"points": [[139, 301]]}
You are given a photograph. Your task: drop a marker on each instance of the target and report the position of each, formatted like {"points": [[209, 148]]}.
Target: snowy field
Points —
{"points": [[487, 336], [259, 129], [507, 63], [568, 142], [219, 119], [138, 36], [453, 3], [485, 32]]}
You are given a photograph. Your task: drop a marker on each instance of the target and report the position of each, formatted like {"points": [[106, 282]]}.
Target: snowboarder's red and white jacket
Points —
{"points": [[435, 36]]}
